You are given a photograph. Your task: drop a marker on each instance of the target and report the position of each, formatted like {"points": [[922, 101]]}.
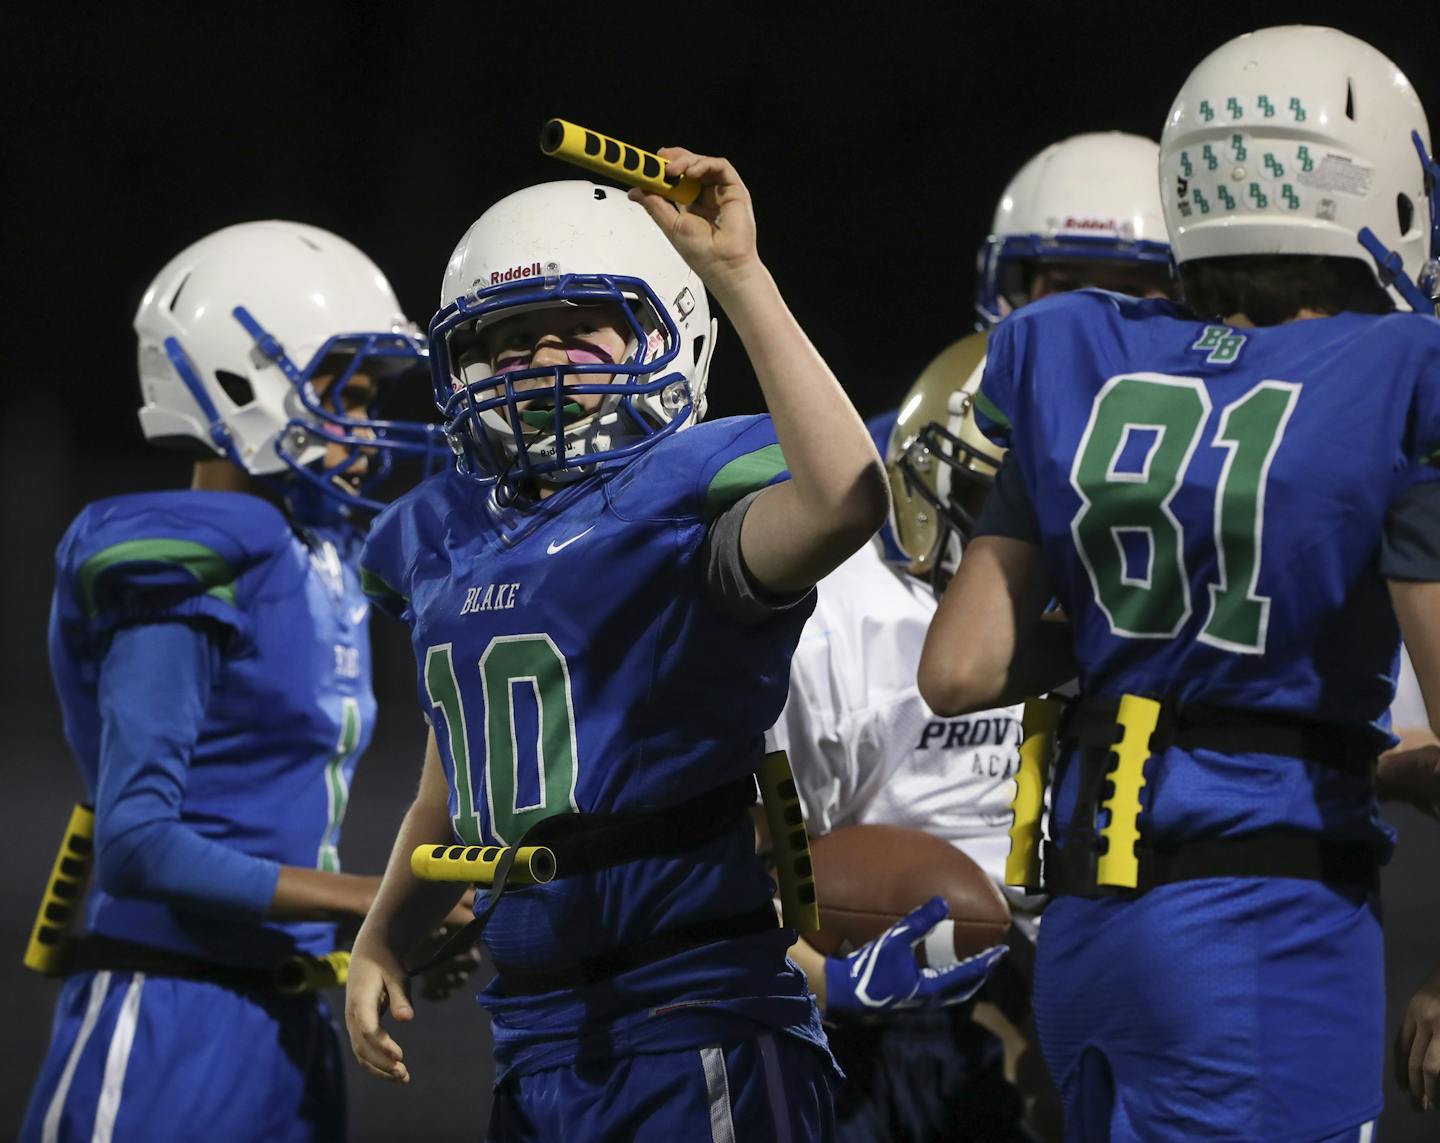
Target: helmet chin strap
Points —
{"points": [[606, 417], [1392, 272], [947, 560], [1388, 263]]}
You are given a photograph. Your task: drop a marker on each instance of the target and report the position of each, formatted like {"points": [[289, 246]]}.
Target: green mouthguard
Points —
{"points": [[546, 417]]}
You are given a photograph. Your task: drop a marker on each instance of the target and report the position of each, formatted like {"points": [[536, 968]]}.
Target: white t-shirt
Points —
{"points": [[864, 746], [1408, 709]]}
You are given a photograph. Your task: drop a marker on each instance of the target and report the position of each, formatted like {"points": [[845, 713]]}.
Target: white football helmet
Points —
{"points": [[568, 244], [235, 330], [1303, 140], [1091, 197]]}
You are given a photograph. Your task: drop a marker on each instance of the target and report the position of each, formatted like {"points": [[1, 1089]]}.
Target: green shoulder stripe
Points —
{"points": [[376, 588], [742, 476], [990, 409], [207, 566]]}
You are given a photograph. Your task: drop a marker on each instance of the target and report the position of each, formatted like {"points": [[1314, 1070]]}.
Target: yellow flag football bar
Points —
{"points": [[476, 864], [561, 139]]}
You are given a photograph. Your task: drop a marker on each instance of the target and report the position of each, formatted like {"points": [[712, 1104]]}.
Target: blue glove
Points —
{"points": [[884, 974]]}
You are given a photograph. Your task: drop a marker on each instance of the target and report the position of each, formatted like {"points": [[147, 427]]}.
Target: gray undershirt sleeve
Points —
{"points": [[1410, 542], [731, 588]]}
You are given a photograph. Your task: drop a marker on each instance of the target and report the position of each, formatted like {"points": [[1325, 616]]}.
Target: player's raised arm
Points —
{"points": [[836, 498]]}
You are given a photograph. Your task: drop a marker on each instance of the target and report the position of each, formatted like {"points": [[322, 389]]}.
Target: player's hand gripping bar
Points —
{"points": [[477, 864], [562, 139]]}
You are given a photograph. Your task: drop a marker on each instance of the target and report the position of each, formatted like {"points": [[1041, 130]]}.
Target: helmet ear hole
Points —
{"points": [[1405, 213], [700, 349], [237, 388], [1349, 99], [180, 289]]}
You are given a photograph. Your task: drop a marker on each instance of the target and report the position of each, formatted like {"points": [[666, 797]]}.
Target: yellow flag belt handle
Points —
{"points": [[561, 139], [63, 894], [798, 902], [1119, 865], [1037, 753], [477, 864], [298, 975]]}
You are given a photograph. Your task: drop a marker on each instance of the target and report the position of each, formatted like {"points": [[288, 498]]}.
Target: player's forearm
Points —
{"points": [[314, 895], [1044, 661], [836, 497], [1041, 663], [160, 859], [407, 909], [1411, 773], [988, 644], [812, 963]]}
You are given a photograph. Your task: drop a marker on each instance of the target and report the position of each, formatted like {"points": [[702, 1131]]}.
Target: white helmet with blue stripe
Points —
{"points": [[1092, 198], [237, 328], [568, 245]]}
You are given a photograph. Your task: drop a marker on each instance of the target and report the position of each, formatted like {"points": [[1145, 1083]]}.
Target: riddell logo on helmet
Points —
{"points": [[515, 273], [1091, 224]]}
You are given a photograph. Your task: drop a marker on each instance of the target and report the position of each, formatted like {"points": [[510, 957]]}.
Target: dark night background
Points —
{"points": [[875, 139]]}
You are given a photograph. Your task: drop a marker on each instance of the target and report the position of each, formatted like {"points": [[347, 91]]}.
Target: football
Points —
{"points": [[869, 876]]}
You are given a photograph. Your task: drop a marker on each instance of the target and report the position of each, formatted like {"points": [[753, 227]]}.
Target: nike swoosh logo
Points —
{"points": [[359, 613], [554, 547], [866, 968]]}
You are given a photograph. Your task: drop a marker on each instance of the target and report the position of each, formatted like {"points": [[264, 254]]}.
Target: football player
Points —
{"points": [[864, 746], [1232, 562], [211, 655], [604, 598]]}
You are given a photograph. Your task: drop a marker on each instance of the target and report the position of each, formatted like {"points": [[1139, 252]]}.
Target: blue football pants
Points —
{"points": [[1224, 1009], [769, 1089], [153, 1058]]}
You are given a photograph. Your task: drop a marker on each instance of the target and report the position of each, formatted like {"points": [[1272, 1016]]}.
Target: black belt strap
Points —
{"points": [[96, 953], [586, 842], [1090, 723], [1070, 869], [521, 980]]}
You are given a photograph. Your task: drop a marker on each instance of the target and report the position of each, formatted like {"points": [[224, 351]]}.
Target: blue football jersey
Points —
{"points": [[1211, 504], [291, 708], [569, 659]]}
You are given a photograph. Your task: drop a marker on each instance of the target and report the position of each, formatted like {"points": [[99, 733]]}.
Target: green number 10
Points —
{"points": [[508, 661], [1156, 603]]}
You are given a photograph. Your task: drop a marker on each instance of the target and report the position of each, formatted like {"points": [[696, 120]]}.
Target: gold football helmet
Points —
{"points": [[940, 465]]}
